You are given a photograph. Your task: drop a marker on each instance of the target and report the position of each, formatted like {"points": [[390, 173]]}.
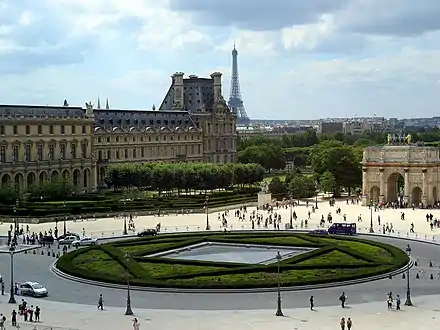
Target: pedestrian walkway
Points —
{"points": [[197, 222], [63, 316]]}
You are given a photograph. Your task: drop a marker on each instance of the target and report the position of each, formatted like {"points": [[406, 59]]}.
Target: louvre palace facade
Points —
{"points": [[39, 143]]}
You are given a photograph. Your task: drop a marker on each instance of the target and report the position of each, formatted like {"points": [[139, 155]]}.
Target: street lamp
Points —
{"points": [[12, 296], [371, 217], [279, 311], [291, 213], [125, 222], [208, 227], [316, 199], [128, 310], [408, 301], [65, 216], [17, 202]]}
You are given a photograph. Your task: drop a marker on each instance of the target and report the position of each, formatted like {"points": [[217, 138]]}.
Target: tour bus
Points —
{"points": [[342, 229]]}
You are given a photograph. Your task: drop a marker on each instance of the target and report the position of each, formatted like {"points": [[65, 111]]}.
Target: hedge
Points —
{"points": [[245, 275], [163, 203]]}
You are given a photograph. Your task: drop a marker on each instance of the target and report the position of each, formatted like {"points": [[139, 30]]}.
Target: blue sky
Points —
{"points": [[297, 59]]}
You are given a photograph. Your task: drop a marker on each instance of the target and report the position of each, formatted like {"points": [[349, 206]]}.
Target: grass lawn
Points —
{"points": [[329, 260]]}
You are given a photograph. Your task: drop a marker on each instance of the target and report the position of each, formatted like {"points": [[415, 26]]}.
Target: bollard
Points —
{"points": [[390, 277], [430, 263], [407, 234], [58, 254], [53, 254], [48, 253], [25, 251], [177, 229], [198, 228], [403, 276], [415, 263], [187, 228], [42, 252], [35, 251], [431, 277], [417, 276], [416, 235]]}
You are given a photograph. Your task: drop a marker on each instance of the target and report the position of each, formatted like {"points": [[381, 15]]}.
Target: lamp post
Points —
{"points": [[16, 225], [125, 232], [128, 310], [408, 301], [208, 227], [371, 217], [279, 310], [65, 216], [291, 213], [316, 199], [12, 295]]}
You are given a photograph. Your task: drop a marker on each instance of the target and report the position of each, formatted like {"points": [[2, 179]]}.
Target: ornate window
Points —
{"points": [[73, 129], [51, 151], [134, 153], [2, 154], [2, 130], [63, 129], [40, 152], [73, 150], [28, 130], [51, 129], [63, 151], [40, 129], [84, 130], [15, 153], [27, 153], [84, 150], [126, 153]]}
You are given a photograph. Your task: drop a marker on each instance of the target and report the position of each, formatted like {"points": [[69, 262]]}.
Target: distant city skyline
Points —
{"points": [[298, 59]]}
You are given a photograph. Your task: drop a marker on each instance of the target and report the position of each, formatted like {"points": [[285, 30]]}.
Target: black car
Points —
{"points": [[147, 232]]}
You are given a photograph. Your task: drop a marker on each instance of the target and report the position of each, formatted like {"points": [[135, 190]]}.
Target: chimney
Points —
{"points": [[217, 77], [178, 90]]}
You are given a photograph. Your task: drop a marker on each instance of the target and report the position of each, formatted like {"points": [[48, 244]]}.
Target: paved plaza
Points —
{"points": [[71, 305], [367, 316], [195, 222]]}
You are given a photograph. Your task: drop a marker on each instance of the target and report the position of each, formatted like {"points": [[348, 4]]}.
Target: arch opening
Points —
{"points": [[416, 197], [31, 178], [374, 194], [395, 187]]}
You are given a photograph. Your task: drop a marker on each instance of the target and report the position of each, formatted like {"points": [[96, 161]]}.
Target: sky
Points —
{"points": [[298, 59]]}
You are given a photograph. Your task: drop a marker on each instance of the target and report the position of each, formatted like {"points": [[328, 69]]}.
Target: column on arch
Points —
{"points": [[382, 185], [424, 187], [407, 186]]}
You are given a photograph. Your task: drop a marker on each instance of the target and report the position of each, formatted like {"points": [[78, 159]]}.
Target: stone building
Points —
{"points": [[193, 124], [408, 174], [38, 143]]}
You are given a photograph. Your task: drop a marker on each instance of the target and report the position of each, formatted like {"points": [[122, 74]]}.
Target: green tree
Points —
{"points": [[270, 156], [277, 186], [9, 194], [302, 186], [327, 182]]}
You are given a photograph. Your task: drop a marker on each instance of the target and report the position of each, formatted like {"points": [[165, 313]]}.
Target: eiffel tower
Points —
{"points": [[235, 101]]}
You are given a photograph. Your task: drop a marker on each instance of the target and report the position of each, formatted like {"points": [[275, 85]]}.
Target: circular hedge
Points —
{"points": [[325, 259]]}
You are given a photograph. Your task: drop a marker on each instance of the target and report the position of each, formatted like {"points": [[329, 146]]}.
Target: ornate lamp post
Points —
{"points": [[12, 293], [128, 310], [291, 213], [316, 198], [16, 225], [65, 216], [125, 232], [371, 217], [408, 301], [208, 227], [279, 310]]}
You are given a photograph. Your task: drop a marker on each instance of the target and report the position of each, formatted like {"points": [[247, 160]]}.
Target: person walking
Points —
{"points": [[349, 323], [312, 303], [397, 302], [136, 324], [342, 323], [100, 302], [342, 299]]}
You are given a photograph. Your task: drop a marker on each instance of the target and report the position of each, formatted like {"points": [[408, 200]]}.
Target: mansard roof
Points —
{"points": [[141, 119], [39, 111], [198, 94]]}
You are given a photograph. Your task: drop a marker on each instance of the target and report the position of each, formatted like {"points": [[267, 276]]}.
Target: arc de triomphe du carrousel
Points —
{"points": [[401, 172]]}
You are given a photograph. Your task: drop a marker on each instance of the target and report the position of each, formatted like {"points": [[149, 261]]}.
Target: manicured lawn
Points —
{"points": [[329, 260]]}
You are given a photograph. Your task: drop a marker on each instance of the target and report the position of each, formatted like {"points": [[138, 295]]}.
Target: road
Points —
{"points": [[37, 268]]}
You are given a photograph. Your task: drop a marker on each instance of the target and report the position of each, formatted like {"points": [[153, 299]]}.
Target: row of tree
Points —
{"points": [[183, 176], [56, 189]]}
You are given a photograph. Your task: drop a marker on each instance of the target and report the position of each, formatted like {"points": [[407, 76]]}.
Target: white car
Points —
{"points": [[33, 289], [85, 241], [68, 240]]}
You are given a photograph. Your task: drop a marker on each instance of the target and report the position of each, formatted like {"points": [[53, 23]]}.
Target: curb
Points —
{"points": [[68, 277]]}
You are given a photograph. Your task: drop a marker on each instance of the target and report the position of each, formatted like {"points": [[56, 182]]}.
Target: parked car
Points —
{"points": [[147, 232], [85, 241], [68, 240], [34, 289], [318, 232], [68, 234]]}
